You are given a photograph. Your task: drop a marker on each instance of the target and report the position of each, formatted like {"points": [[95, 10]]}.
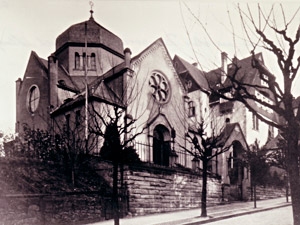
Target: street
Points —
{"points": [[280, 216]]}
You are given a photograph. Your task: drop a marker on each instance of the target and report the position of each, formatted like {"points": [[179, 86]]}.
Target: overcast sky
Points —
{"points": [[35, 24]]}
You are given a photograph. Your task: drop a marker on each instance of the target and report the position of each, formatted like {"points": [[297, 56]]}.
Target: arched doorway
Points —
{"points": [[236, 171], [161, 145]]}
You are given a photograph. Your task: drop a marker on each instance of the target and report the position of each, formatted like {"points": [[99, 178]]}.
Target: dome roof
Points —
{"points": [[96, 34]]}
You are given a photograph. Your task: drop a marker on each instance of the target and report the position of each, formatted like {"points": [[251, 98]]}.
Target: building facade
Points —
{"points": [[163, 96]]}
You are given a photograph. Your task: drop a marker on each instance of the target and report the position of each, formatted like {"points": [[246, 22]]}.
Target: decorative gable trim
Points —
{"points": [[143, 55]]}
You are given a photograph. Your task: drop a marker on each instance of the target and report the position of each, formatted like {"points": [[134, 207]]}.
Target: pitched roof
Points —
{"points": [[98, 88], [197, 75], [272, 144], [43, 63], [159, 41], [233, 132]]}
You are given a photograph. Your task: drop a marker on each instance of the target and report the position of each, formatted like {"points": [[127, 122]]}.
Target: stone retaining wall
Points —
{"points": [[53, 210], [269, 192], [155, 189]]}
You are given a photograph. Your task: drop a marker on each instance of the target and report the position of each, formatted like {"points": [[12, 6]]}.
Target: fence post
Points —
{"points": [[42, 209]]}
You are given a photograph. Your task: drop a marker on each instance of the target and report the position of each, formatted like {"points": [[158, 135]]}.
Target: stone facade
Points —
{"points": [[154, 190]]}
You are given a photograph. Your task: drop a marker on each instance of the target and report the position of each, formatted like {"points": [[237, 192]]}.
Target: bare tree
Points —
{"points": [[70, 143], [205, 148], [264, 30], [113, 120], [255, 159], [277, 157]]}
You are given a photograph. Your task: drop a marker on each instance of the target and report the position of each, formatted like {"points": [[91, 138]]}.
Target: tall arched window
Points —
{"points": [[83, 60], [161, 145], [77, 61], [33, 98], [93, 61]]}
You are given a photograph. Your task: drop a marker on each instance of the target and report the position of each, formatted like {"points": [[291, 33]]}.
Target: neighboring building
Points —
{"points": [[163, 95], [230, 116]]}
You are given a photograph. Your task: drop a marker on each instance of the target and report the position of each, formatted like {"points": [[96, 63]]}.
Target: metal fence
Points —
{"points": [[145, 153], [184, 158]]}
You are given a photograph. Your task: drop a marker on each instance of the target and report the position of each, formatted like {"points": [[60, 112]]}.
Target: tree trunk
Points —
{"points": [[73, 176], [293, 170], [286, 180], [204, 190], [254, 193], [115, 193]]}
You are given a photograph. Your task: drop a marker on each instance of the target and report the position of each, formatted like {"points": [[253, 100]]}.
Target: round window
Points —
{"points": [[33, 98], [160, 88]]}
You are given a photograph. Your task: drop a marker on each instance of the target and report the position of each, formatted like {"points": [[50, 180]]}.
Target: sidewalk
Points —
{"points": [[192, 216]]}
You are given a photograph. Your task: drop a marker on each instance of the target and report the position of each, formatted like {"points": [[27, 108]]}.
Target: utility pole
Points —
{"points": [[86, 89]]}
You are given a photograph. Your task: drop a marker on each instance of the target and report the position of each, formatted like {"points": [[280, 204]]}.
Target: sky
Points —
{"points": [[33, 25]]}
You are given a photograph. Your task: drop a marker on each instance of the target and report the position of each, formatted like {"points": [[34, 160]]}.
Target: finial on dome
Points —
{"points": [[91, 11]]}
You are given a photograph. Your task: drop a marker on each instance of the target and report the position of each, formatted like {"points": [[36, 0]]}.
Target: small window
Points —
{"points": [[93, 61], [77, 61], [271, 131], [83, 60], [77, 118], [264, 80], [255, 122], [33, 98], [68, 124], [191, 109]]}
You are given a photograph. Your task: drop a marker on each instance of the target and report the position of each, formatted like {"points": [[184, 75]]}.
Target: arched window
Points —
{"points": [[93, 61], [161, 145], [77, 61], [33, 98], [83, 60]]}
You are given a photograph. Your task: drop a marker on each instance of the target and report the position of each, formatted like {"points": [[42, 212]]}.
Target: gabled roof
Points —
{"points": [[197, 75], [97, 87], [233, 132], [272, 144], [147, 50], [104, 95], [42, 62], [246, 73]]}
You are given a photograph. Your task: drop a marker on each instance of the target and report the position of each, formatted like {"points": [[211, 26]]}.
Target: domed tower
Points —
{"points": [[104, 49]]}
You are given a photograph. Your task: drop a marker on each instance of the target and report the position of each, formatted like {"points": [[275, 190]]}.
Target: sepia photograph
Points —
{"points": [[152, 112]]}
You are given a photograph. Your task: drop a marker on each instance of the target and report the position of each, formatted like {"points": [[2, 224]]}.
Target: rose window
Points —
{"points": [[159, 87]]}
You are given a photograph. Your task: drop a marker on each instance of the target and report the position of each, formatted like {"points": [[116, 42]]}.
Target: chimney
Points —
{"points": [[127, 59], [224, 57], [52, 67], [234, 61], [18, 86]]}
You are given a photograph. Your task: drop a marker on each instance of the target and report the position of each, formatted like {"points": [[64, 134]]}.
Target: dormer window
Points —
{"points": [[191, 109], [264, 80], [93, 61], [77, 61], [81, 60], [255, 122]]}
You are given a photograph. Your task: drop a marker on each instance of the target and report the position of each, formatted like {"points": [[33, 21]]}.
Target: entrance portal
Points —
{"points": [[161, 145], [236, 171]]}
